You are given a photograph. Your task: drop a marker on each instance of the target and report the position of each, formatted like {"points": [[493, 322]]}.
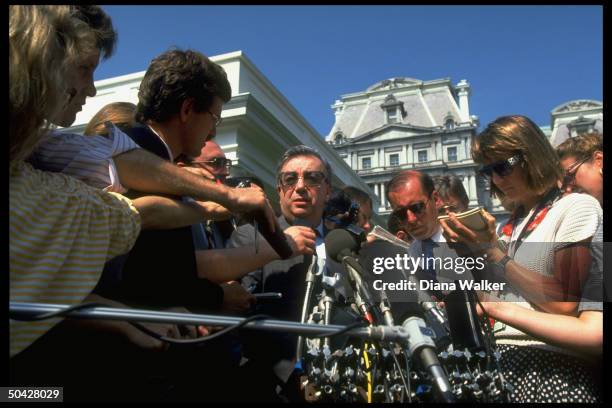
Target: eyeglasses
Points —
{"points": [[415, 208], [501, 168], [216, 162], [217, 119], [570, 173], [311, 178]]}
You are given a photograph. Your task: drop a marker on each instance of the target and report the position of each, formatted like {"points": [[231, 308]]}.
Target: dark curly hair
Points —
{"points": [[176, 76]]}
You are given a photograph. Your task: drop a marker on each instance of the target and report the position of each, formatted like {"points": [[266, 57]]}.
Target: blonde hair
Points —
{"points": [[510, 135], [120, 114], [44, 42]]}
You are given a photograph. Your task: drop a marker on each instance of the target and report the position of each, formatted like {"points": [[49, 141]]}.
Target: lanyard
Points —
{"points": [[536, 217]]}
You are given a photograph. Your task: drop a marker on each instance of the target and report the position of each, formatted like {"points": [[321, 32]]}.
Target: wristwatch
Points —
{"points": [[502, 262]]}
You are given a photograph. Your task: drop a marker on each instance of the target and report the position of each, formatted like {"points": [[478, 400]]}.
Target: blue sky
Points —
{"points": [[518, 59]]}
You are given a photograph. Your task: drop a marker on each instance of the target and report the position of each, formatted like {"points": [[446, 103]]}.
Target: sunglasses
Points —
{"points": [[416, 208], [311, 178], [570, 173], [501, 168], [216, 162]]}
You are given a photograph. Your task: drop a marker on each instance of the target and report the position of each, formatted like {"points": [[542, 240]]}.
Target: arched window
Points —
{"points": [[339, 138]]}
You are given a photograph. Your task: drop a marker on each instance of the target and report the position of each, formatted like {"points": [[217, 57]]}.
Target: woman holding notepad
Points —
{"points": [[544, 252]]}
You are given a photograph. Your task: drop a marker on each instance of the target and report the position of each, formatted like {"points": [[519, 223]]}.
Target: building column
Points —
{"points": [[473, 194], [383, 198]]}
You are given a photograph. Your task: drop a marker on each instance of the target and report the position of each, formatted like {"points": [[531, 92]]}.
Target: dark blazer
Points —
{"points": [[285, 276], [161, 268]]}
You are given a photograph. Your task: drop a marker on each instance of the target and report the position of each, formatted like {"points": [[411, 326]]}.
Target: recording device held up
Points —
{"points": [[276, 239]]}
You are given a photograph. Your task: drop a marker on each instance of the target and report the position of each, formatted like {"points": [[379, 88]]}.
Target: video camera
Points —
{"points": [[343, 212]]}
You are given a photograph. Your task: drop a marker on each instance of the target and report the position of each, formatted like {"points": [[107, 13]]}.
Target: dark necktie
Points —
{"points": [[429, 267]]}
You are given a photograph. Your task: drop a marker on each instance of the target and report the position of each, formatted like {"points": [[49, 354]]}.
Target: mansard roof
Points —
{"points": [[577, 105], [426, 105]]}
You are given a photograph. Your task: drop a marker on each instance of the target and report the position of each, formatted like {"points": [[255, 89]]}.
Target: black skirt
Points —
{"points": [[539, 375]]}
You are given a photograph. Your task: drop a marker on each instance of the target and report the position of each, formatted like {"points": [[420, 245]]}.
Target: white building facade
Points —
{"points": [[404, 123]]}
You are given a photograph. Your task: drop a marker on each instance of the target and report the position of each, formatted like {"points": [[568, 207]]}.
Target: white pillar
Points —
{"points": [[383, 198], [473, 193], [463, 91]]}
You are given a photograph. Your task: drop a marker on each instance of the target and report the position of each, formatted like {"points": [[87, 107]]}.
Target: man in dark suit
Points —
{"points": [[179, 108]]}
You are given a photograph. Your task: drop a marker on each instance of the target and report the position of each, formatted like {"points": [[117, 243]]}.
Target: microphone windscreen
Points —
{"points": [[339, 242]]}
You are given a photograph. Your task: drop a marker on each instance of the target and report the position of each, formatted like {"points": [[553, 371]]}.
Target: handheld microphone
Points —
{"points": [[276, 239], [341, 246]]}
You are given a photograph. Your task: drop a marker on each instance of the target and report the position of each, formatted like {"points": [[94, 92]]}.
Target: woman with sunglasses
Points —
{"points": [[544, 259], [581, 158]]}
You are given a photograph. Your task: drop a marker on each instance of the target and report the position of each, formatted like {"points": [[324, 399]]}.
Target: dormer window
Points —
{"points": [[581, 125], [391, 116], [394, 110], [449, 121], [339, 138]]}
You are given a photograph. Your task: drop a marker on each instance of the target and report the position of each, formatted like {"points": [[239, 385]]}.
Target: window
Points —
{"points": [[422, 156], [392, 115], [339, 139], [452, 154], [449, 124], [366, 162], [394, 159]]}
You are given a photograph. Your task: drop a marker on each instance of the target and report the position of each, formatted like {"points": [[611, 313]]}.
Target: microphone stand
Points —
{"points": [[310, 280], [24, 310]]}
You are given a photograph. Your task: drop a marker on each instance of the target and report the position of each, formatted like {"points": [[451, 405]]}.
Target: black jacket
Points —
{"points": [[161, 268]]}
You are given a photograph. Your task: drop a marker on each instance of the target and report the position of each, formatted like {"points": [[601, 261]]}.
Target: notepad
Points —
{"points": [[473, 219]]}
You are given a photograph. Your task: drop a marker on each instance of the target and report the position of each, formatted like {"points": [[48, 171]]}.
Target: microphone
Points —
{"points": [[422, 347], [341, 246], [463, 320], [276, 239], [340, 243]]}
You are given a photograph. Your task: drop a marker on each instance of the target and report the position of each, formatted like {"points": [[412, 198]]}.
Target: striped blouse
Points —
{"points": [[88, 158], [61, 232]]}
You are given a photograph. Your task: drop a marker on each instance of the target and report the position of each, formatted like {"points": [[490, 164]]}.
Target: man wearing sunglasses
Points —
{"points": [[213, 160], [304, 186], [413, 199]]}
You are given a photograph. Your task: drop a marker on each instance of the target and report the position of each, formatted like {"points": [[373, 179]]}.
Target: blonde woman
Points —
{"points": [[61, 231]]}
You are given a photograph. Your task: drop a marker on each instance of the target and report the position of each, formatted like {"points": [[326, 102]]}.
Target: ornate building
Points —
{"points": [[404, 123], [574, 117]]}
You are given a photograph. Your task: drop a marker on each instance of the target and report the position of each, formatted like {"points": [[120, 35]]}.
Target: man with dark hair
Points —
{"points": [[304, 186], [413, 200], [452, 196], [365, 206], [180, 102]]}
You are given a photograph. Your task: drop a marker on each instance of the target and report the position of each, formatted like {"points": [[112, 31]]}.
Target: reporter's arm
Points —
{"points": [[222, 265], [158, 212], [143, 171], [583, 334]]}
